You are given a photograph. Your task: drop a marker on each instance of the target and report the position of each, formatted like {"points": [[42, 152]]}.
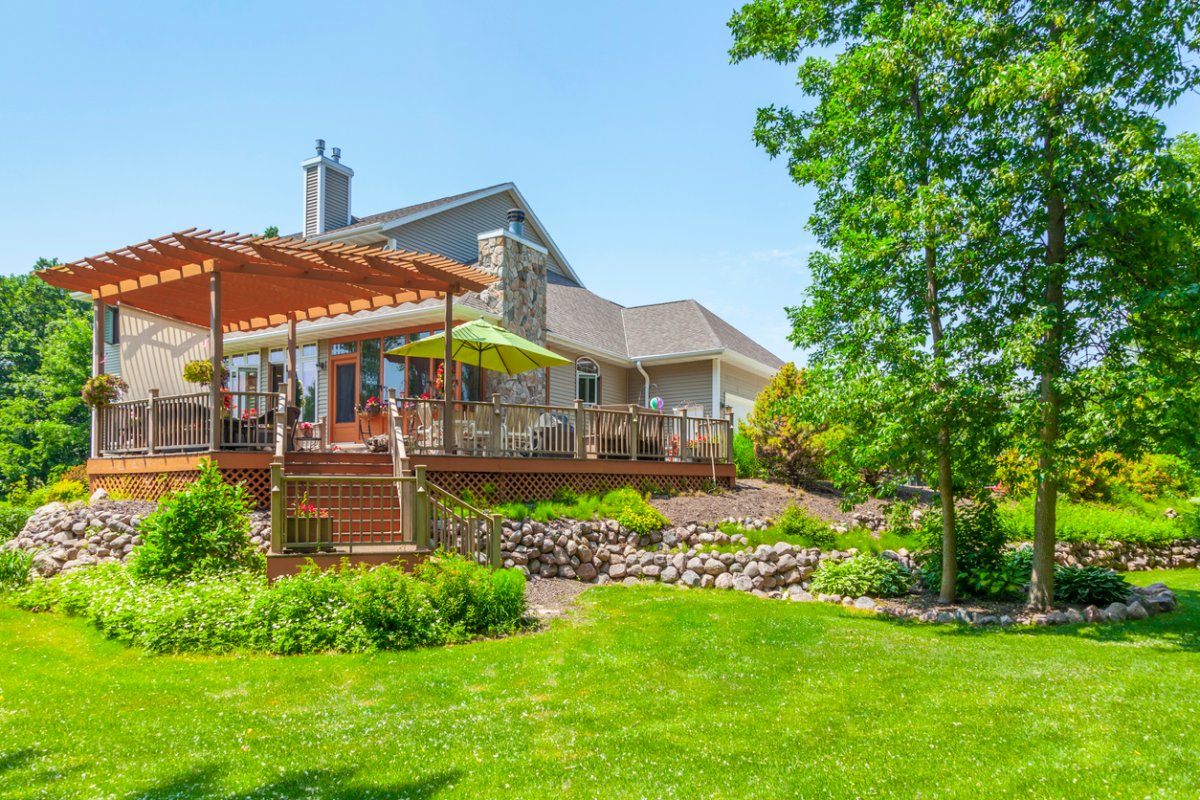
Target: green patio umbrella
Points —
{"points": [[482, 344]]}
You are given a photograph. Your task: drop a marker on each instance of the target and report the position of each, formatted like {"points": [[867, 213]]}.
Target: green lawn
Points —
{"points": [[651, 692]]}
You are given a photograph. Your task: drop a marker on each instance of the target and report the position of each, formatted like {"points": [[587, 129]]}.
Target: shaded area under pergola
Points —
{"points": [[230, 282]]}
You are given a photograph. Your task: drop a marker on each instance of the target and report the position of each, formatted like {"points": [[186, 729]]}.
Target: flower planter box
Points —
{"points": [[308, 533]]}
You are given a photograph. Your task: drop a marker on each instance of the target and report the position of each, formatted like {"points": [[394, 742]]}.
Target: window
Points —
{"points": [[369, 377], [393, 366], [587, 381], [307, 367], [112, 325]]}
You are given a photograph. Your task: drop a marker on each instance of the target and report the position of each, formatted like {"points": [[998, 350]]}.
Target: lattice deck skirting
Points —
{"points": [[492, 480], [519, 479], [153, 477]]}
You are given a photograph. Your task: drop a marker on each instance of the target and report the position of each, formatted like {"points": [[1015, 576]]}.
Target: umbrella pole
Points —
{"points": [[448, 380]]}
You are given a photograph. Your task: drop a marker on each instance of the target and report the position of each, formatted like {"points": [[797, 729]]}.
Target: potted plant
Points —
{"points": [[308, 527], [201, 372], [100, 390], [372, 408]]}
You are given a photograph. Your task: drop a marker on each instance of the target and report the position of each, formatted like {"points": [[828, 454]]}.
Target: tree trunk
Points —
{"points": [[1041, 585], [949, 588], [945, 468]]}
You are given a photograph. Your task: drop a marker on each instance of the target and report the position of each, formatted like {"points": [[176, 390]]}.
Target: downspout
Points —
{"points": [[646, 377]]}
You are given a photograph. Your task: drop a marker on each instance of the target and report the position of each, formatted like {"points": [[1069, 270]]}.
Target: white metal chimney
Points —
{"points": [[326, 192]]}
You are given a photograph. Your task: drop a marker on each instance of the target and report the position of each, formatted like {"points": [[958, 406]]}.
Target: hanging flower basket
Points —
{"points": [[201, 372], [101, 390]]}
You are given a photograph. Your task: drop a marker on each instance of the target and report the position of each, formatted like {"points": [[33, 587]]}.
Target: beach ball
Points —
{"points": [[656, 403]]}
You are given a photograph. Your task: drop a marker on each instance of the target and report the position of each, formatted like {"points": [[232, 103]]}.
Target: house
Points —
{"points": [[302, 326], [680, 351]]}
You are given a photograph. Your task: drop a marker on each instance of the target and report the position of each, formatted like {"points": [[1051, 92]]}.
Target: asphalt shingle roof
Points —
{"points": [[682, 326]]}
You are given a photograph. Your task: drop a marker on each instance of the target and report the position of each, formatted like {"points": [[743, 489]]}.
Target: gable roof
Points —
{"points": [[409, 211], [390, 220], [660, 329], [684, 326]]}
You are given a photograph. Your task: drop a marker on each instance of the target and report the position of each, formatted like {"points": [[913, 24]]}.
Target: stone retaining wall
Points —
{"points": [[65, 537], [1125, 557]]}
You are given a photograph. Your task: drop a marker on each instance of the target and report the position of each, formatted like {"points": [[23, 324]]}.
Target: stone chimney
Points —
{"points": [[326, 192], [519, 298]]}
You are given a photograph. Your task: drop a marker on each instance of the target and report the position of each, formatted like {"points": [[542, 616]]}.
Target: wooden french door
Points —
{"points": [[343, 397]]}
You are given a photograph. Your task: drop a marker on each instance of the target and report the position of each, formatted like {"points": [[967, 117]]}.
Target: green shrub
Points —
{"points": [[743, 457], [627, 506], [350, 609], [12, 520], [61, 491], [1155, 475], [14, 568], [632, 511], [979, 536], [1089, 586], [799, 523], [202, 529], [1104, 476], [1073, 584], [787, 447], [867, 574]]}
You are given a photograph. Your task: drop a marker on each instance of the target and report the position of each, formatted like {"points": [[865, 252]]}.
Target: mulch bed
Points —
{"points": [[758, 499], [552, 597]]}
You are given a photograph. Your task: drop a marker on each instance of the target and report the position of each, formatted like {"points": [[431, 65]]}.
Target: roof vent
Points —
{"points": [[320, 147], [337, 154], [516, 221]]}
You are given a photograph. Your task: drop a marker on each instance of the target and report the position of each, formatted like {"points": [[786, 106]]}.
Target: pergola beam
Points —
{"points": [[265, 282]]}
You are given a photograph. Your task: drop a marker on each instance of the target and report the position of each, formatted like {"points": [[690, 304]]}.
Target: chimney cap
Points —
{"points": [[320, 147], [516, 215], [337, 154]]}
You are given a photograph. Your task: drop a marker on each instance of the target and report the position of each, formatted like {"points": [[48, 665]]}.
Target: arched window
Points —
{"points": [[587, 380]]}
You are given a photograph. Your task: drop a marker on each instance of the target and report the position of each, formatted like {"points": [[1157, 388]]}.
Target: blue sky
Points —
{"points": [[623, 125]]}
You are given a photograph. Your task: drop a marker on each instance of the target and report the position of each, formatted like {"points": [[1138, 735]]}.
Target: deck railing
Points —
{"points": [[252, 421], [183, 423], [578, 431]]}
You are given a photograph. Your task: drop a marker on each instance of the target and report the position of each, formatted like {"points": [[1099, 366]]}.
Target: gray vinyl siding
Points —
{"points": [[455, 233], [323, 379], [153, 351], [562, 381], [677, 384], [740, 382], [311, 193], [337, 199], [613, 381]]}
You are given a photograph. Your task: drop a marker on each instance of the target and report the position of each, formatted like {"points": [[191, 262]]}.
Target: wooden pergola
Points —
{"points": [[231, 283]]}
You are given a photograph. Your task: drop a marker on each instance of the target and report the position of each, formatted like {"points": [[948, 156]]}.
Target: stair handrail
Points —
{"points": [[396, 436], [445, 509]]}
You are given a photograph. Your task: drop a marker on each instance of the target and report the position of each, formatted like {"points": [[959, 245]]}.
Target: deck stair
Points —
{"points": [[340, 463]]}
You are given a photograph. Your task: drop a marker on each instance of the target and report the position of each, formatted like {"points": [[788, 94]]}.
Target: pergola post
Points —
{"points": [[448, 444], [217, 349], [98, 321], [292, 377]]}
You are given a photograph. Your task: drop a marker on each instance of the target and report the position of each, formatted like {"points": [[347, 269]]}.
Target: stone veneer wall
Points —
{"points": [[519, 297]]}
